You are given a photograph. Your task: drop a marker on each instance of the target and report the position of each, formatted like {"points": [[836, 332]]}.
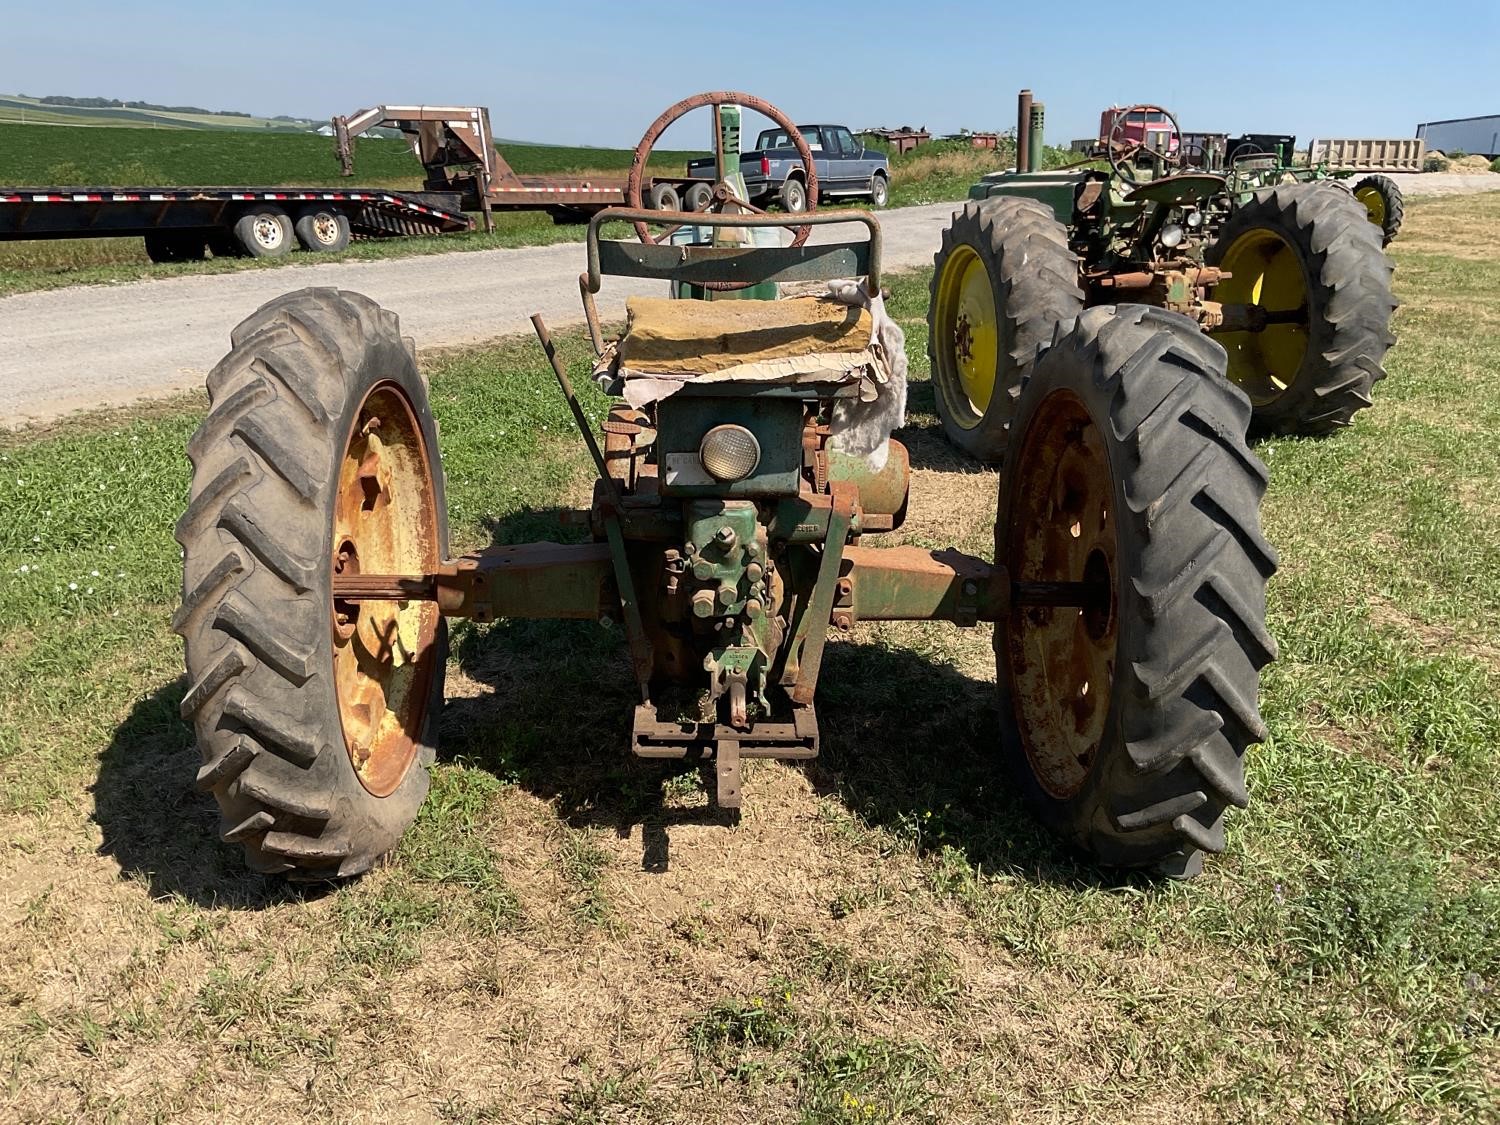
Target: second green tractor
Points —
{"points": [[1291, 280]]}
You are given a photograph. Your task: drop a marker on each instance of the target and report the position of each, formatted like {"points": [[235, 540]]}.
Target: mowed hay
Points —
{"points": [[570, 934]]}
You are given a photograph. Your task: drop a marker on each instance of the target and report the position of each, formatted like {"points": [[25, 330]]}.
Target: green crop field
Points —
{"points": [[35, 155], [939, 172], [33, 111], [568, 934]]}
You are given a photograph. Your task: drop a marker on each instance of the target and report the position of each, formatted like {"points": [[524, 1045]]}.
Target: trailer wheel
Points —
{"points": [[225, 246], [175, 246], [1001, 279], [793, 195], [699, 196], [664, 197], [265, 232], [324, 230], [315, 718], [1125, 714]]}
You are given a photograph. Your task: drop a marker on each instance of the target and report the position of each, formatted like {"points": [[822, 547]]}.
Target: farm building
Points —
{"points": [[1477, 136]]}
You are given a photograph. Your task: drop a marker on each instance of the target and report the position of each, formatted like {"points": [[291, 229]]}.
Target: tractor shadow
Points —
{"points": [[159, 828], [908, 746]]}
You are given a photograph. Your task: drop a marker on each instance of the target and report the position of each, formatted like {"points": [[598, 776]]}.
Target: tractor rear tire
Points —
{"points": [[270, 477], [1301, 246], [1002, 279], [1383, 203], [1125, 721]]}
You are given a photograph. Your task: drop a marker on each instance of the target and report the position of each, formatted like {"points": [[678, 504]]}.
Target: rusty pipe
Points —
{"points": [[1023, 131]]}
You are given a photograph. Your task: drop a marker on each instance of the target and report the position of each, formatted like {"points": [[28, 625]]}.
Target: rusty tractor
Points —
{"points": [[734, 523], [1291, 280]]}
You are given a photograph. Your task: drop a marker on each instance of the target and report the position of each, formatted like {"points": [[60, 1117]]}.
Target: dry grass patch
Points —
{"points": [[569, 934]]}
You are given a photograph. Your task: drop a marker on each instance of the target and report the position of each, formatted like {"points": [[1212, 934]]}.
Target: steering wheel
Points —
{"points": [[723, 195], [1122, 152]]}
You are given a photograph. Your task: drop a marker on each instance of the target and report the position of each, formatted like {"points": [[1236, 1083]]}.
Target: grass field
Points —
{"points": [[566, 935], [35, 155]]}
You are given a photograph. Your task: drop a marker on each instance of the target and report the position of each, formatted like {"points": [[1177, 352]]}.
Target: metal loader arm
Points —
{"points": [[439, 135]]}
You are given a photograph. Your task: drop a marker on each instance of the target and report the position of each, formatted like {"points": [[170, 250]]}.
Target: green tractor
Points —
{"points": [[745, 471], [1290, 280]]}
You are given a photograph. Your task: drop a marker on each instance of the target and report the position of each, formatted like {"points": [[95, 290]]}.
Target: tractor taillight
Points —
{"points": [[729, 453]]}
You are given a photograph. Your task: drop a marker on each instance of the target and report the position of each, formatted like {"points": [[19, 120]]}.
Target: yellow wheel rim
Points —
{"points": [[968, 337], [1374, 204], [1266, 272], [385, 522], [1061, 660]]}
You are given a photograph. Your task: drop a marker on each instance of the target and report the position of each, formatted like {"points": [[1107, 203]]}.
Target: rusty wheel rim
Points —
{"points": [[326, 228], [384, 522], [1061, 659]]}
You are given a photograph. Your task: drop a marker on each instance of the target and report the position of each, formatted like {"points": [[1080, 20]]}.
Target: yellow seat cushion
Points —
{"points": [[667, 337]]}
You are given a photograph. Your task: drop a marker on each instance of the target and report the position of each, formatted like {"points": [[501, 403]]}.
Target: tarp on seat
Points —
{"points": [[695, 338]]}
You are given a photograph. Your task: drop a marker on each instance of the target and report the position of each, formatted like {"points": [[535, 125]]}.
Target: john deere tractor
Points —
{"points": [[1289, 280], [745, 473]]}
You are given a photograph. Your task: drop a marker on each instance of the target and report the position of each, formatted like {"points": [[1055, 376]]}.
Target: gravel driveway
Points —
{"points": [[63, 350], [104, 345]]}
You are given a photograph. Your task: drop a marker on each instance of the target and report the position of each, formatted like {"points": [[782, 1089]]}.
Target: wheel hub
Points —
{"points": [[1265, 271], [268, 231], [385, 522], [326, 229], [966, 317], [1061, 658]]}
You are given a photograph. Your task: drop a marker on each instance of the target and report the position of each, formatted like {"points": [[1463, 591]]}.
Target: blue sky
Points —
{"points": [[586, 73]]}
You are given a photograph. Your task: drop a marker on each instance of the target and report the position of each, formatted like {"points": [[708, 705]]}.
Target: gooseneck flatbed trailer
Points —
{"points": [[186, 223]]}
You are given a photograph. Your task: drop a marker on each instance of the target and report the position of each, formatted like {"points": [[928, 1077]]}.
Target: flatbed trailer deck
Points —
{"points": [[182, 223]]}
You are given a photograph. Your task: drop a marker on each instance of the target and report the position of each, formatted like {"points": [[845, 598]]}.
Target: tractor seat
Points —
{"points": [[784, 341]]}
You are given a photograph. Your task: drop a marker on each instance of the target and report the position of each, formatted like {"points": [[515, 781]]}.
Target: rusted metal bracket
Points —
{"points": [[635, 630], [537, 580], [812, 630], [726, 746], [912, 584]]}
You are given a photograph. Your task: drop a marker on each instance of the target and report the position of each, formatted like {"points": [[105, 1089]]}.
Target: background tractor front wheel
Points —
{"points": [[315, 718], [1309, 261], [1125, 717], [1001, 280], [1383, 203]]}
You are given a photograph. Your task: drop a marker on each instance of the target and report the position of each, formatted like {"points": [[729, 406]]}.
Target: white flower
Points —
{"points": [[93, 574], [24, 569], [72, 585]]}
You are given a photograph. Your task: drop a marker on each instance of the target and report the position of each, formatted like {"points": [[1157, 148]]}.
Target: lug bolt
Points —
{"points": [[754, 572], [725, 537], [727, 594], [752, 608], [703, 604]]}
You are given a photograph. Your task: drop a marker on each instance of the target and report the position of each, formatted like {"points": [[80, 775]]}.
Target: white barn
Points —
{"points": [[1478, 136]]}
